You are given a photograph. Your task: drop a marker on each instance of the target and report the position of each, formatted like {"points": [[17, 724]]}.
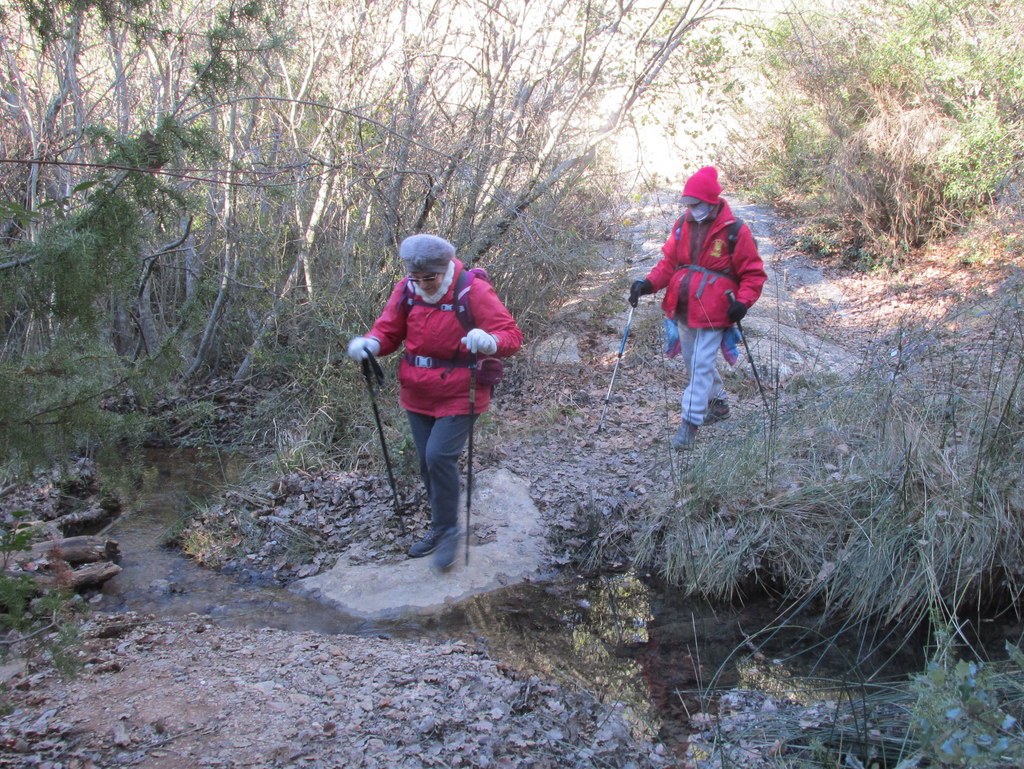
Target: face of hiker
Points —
{"points": [[701, 193], [700, 211], [429, 264]]}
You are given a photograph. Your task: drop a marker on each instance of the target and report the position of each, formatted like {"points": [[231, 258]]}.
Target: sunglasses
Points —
{"points": [[424, 278]]}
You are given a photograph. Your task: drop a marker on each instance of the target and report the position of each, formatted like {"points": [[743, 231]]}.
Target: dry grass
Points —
{"points": [[881, 496], [887, 176]]}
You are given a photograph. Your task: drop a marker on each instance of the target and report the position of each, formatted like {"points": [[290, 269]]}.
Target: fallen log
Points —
{"points": [[75, 550], [68, 562], [88, 575], [90, 517]]}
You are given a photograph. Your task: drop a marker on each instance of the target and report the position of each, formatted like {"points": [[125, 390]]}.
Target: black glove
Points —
{"points": [[638, 289], [736, 309]]}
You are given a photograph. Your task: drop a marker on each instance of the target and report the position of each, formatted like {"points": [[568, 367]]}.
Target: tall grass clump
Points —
{"points": [[898, 489], [893, 128]]}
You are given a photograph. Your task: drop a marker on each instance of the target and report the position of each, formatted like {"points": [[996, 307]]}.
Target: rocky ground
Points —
{"points": [[190, 694]]}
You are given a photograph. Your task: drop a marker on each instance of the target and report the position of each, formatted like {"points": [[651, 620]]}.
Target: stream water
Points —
{"points": [[619, 635]]}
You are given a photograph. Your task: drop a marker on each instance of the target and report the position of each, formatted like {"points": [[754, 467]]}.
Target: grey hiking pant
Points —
{"points": [[699, 351], [439, 442]]}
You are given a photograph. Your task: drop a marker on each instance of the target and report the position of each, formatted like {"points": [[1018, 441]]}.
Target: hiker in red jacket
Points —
{"points": [[713, 275], [434, 373]]}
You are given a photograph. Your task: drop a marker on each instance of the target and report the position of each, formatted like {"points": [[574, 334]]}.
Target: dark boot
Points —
{"points": [[447, 546], [718, 411], [427, 545]]}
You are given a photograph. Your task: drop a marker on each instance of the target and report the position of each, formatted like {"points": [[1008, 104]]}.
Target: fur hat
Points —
{"points": [[426, 253], [702, 186]]}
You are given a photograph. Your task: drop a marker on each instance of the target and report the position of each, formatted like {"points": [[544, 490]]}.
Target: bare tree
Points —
{"points": [[376, 121]]}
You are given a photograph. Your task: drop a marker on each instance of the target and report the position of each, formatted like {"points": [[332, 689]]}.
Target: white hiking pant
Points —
{"points": [[699, 350]]}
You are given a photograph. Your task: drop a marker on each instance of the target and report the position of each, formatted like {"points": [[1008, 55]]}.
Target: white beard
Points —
{"points": [[442, 289]]}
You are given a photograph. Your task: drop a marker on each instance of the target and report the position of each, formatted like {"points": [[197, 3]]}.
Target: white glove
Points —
{"points": [[362, 347], [478, 340]]}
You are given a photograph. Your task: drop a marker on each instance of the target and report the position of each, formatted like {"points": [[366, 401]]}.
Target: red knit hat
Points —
{"points": [[703, 185]]}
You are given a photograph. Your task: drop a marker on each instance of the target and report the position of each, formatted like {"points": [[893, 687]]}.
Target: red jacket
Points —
{"points": [[432, 332], [706, 303]]}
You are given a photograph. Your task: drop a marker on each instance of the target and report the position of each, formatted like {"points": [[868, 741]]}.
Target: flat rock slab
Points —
{"points": [[560, 348], [503, 513]]}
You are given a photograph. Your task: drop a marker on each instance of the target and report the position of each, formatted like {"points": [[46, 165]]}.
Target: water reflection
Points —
{"points": [[585, 633], [160, 581], [658, 654]]}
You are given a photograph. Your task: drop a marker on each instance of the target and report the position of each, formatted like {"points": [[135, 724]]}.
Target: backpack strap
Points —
{"points": [[459, 304], [463, 282], [707, 277], [733, 234]]}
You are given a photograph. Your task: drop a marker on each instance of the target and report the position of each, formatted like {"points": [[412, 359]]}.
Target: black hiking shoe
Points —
{"points": [[427, 545], [718, 411], [447, 546]]}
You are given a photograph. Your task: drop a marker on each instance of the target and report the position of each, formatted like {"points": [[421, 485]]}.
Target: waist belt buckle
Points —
{"points": [[422, 361]]}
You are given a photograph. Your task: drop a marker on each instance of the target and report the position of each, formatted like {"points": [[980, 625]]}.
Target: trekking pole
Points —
{"points": [[371, 371], [750, 357], [469, 464], [622, 346]]}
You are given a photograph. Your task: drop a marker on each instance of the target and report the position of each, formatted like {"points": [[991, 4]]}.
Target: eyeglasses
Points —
{"points": [[424, 278]]}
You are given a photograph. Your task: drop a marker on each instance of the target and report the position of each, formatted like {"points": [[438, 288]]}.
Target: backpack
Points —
{"points": [[489, 371], [733, 234]]}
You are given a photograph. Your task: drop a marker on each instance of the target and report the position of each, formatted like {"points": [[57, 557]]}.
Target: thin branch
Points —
{"points": [[17, 262], [169, 248], [33, 634]]}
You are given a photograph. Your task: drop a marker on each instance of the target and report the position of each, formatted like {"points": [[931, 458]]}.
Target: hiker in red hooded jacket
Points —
{"points": [[711, 283], [434, 373]]}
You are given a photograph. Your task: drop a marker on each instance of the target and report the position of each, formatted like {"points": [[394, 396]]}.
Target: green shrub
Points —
{"points": [[977, 163], [40, 618], [963, 716], [15, 594], [896, 126]]}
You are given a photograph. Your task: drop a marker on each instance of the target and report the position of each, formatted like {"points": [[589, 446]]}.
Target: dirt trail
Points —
{"points": [[549, 425]]}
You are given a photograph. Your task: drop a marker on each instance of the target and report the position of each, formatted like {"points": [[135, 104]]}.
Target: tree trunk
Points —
{"points": [[229, 264]]}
